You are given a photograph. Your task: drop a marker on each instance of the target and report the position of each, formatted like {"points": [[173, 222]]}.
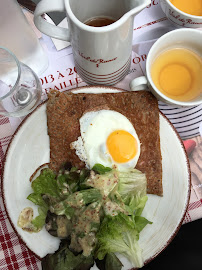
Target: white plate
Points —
{"points": [[29, 149]]}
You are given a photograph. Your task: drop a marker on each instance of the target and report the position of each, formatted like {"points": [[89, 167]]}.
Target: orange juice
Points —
{"points": [[177, 73], [193, 7]]}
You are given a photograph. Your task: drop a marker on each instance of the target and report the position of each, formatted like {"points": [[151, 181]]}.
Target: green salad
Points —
{"points": [[96, 214]]}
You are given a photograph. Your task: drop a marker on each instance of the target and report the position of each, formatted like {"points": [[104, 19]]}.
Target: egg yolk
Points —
{"points": [[122, 146]]}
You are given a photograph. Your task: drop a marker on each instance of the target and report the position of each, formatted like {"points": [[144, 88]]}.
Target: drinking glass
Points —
{"points": [[18, 36], [20, 88]]}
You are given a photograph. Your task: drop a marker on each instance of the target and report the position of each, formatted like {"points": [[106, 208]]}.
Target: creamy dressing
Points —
{"points": [[112, 208], [105, 183], [25, 220], [76, 200], [85, 224], [63, 226], [86, 221]]}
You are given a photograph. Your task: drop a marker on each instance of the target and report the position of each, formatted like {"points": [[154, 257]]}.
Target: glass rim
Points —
{"points": [[19, 72]]}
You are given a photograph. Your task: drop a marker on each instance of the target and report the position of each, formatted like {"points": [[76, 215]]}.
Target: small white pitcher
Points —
{"points": [[102, 54]]}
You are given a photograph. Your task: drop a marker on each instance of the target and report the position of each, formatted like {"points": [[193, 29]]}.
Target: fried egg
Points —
{"points": [[108, 138]]}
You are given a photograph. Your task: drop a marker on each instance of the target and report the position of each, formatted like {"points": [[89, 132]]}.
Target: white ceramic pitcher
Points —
{"points": [[102, 54]]}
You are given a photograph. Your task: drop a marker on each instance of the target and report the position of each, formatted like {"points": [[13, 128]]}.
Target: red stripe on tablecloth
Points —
{"points": [[15, 254], [3, 216], [194, 205], [7, 247], [3, 143], [1, 157], [187, 218], [4, 120], [5, 140]]}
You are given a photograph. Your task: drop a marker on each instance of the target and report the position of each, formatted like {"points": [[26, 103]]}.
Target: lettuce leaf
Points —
{"points": [[131, 183], [39, 221], [99, 168], [105, 183], [118, 234], [133, 190], [112, 262], [135, 204], [76, 200], [46, 183], [64, 259], [140, 223]]}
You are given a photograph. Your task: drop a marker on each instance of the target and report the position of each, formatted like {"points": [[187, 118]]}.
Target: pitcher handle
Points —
{"points": [[140, 83], [45, 6]]}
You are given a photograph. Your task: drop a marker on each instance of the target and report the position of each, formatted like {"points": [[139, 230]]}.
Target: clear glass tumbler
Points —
{"points": [[20, 88], [18, 36]]}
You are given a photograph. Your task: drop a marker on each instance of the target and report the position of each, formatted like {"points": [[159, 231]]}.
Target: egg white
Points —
{"points": [[95, 127]]}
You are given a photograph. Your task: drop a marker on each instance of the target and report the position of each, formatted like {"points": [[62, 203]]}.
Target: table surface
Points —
{"points": [[185, 251]]}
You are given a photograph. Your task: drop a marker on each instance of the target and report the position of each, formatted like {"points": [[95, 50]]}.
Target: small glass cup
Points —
{"points": [[20, 88]]}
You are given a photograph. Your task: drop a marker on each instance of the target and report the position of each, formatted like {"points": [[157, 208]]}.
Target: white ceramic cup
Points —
{"points": [[102, 55], [179, 17], [181, 38]]}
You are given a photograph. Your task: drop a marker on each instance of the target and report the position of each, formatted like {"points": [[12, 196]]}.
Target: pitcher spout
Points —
{"points": [[135, 6]]}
